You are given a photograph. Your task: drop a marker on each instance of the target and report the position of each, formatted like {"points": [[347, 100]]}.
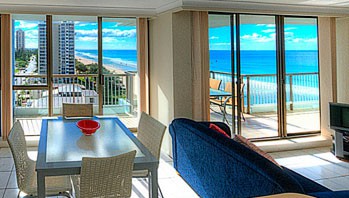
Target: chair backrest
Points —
{"points": [[228, 88], [18, 146], [150, 132], [77, 110], [107, 177], [214, 83]]}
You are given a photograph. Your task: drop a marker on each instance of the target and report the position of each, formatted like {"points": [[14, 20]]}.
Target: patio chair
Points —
{"points": [[105, 177], [150, 133], [223, 102], [214, 84], [25, 168], [77, 110]]}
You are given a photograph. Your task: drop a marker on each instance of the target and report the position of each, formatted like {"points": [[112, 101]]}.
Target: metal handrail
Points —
{"points": [[295, 82]]}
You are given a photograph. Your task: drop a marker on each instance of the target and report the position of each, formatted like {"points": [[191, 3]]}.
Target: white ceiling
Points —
{"points": [[154, 7]]}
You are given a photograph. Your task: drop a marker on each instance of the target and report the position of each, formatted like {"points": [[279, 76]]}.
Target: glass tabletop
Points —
{"points": [[65, 141], [217, 92]]}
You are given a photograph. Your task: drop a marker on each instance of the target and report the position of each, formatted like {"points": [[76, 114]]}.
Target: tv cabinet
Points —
{"points": [[339, 122]]}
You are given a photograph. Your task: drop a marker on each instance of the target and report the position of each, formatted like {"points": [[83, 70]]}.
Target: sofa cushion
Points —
{"points": [[242, 140], [221, 125], [218, 129]]}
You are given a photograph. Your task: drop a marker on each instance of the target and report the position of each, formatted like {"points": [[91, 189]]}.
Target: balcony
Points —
{"points": [[118, 94], [259, 104]]}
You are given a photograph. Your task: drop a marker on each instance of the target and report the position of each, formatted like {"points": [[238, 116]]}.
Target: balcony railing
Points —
{"points": [[31, 92], [260, 91]]}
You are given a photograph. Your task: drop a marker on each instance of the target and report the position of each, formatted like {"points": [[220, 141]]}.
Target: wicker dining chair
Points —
{"points": [[150, 132], [25, 168], [105, 177], [77, 110]]}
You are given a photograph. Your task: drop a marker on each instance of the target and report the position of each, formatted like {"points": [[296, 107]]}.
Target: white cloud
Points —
{"points": [[221, 44], [106, 33], [266, 25], [301, 40], [290, 28], [310, 40], [26, 25], [31, 34], [259, 38], [110, 39], [86, 38], [87, 33], [214, 37], [119, 33], [268, 30], [289, 36], [83, 24]]}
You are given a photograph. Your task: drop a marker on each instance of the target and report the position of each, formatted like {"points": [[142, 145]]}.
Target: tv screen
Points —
{"points": [[339, 116]]}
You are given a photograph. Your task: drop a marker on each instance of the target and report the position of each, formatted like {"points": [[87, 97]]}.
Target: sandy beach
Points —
{"points": [[108, 67]]}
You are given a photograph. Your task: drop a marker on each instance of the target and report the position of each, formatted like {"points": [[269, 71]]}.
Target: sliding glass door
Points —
{"points": [[271, 63], [258, 72], [302, 75]]}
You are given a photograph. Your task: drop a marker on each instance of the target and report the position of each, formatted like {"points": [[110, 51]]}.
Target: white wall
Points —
{"points": [[170, 69], [161, 72], [327, 60], [342, 34]]}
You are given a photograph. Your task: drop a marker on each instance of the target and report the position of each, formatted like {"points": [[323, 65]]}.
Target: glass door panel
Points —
{"points": [[258, 74], [75, 65], [302, 75], [220, 49], [119, 56], [30, 66]]}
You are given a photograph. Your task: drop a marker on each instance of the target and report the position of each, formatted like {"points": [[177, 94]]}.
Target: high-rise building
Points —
{"points": [[20, 40], [66, 53], [63, 35], [42, 53]]}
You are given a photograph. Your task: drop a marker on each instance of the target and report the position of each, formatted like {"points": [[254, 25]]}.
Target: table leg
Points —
{"points": [[41, 185], [153, 183]]}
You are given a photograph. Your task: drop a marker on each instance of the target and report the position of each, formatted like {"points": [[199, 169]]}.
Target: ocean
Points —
{"points": [[264, 61], [262, 89], [252, 62], [125, 60]]}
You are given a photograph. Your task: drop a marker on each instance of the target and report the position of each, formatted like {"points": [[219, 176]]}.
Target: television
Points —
{"points": [[339, 116]]}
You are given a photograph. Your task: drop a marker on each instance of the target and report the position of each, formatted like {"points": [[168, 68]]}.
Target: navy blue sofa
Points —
{"points": [[216, 166]]}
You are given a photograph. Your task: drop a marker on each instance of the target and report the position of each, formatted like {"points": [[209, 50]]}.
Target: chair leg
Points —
{"points": [[224, 115]]}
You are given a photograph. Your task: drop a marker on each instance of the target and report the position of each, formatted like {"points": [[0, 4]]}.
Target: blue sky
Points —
{"points": [[115, 35], [262, 37]]}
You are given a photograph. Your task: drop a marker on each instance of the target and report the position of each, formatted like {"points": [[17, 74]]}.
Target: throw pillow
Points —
{"points": [[219, 130], [242, 140]]}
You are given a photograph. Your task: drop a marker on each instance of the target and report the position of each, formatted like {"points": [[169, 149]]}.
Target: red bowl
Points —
{"points": [[88, 127]]}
